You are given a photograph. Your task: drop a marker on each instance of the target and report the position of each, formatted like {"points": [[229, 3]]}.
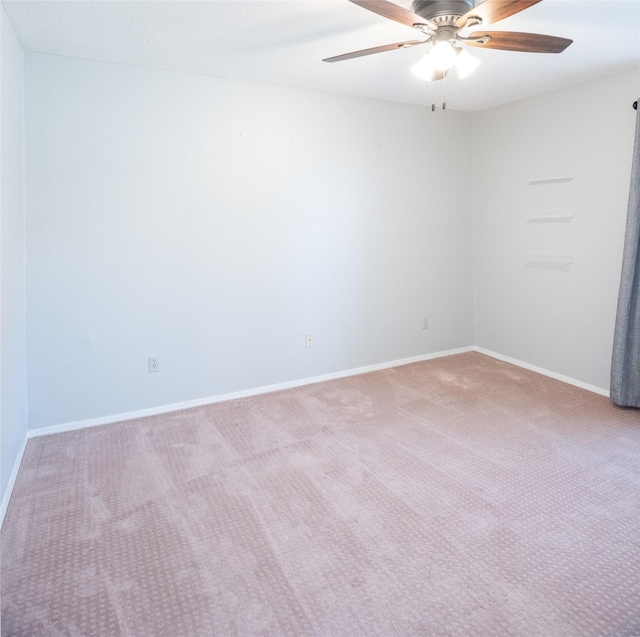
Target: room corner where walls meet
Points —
{"points": [[13, 364]]}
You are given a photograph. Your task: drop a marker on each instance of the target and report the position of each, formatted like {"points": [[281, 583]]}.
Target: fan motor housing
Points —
{"points": [[442, 11]]}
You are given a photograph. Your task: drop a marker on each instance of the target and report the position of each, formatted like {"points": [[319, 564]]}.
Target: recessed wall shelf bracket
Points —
{"points": [[549, 180], [549, 260], [550, 217]]}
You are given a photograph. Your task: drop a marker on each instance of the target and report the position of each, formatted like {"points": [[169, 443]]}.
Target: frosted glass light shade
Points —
{"points": [[465, 63], [424, 69]]}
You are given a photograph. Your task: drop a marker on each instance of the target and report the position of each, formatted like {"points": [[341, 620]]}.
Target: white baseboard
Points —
{"points": [[164, 409], [544, 372], [12, 480]]}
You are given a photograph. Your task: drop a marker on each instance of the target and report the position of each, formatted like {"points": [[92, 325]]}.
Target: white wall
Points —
{"points": [[213, 223], [559, 320], [13, 381]]}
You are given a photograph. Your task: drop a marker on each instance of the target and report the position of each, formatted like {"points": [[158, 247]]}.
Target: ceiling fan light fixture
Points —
{"points": [[465, 63]]}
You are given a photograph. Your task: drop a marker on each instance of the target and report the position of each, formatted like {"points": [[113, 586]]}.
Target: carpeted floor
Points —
{"points": [[460, 496]]}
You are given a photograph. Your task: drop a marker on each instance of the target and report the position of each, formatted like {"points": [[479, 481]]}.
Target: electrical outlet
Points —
{"points": [[154, 364], [425, 323], [308, 339]]}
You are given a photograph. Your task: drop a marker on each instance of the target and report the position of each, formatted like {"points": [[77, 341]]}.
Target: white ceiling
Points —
{"points": [[283, 42]]}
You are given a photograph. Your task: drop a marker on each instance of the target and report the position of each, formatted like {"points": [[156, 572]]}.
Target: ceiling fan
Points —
{"points": [[446, 24]]}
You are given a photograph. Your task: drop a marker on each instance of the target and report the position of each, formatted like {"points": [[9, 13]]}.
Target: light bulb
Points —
{"points": [[443, 56], [465, 63]]}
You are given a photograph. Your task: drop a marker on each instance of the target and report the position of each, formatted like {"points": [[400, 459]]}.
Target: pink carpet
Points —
{"points": [[459, 496]]}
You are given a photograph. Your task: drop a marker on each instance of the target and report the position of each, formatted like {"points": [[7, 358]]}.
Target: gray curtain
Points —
{"points": [[625, 365]]}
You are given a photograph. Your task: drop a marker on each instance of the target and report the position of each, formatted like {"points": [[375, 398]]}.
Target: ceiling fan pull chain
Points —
{"points": [[444, 93], [433, 93]]}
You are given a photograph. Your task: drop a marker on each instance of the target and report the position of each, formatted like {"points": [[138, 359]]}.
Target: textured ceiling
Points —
{"points": [[283, 42]]}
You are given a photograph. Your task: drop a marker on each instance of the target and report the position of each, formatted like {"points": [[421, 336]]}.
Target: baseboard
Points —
{"points": [[12, 480], [544, 372], [164, 409]]}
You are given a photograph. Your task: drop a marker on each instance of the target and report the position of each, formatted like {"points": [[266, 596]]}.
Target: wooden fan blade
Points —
{"points": [[525, 42], [494, 10], [394, 12], [375, 49]]}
